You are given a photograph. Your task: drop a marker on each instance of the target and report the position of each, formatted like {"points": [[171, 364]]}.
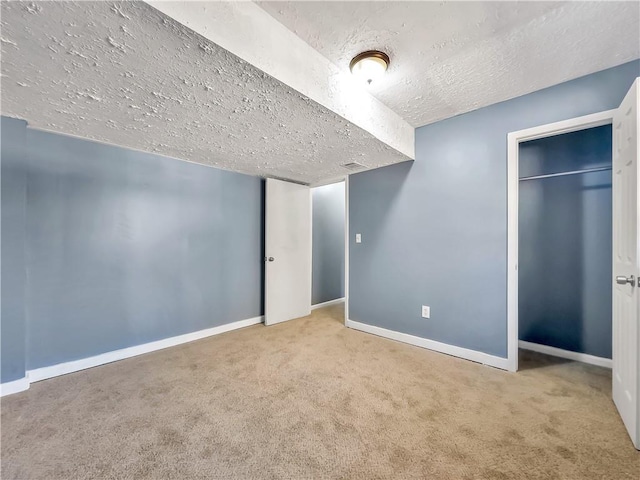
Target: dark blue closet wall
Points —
{"points": [[565, 243]]}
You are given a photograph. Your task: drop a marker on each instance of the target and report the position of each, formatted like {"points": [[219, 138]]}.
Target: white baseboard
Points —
{"points": [[327, 304], [559, 352], [51, 371], [465, 353], [15, 386]]}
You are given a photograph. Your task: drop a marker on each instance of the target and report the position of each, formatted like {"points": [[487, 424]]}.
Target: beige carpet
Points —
{"points": [[313, 399]]}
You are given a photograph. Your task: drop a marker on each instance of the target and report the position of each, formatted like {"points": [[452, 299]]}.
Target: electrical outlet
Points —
{"points": [[358, 238], [426, 311]]}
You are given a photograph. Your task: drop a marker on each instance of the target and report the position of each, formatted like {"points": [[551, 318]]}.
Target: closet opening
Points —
{"points": [[565, 245], [570, 226]]}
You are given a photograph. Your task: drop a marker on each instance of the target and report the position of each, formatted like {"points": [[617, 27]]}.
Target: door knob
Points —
{"points": [[622, 280], [271, 259]]}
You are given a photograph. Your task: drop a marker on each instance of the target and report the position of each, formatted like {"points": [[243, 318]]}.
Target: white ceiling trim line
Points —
{"points": [[247, 31]]}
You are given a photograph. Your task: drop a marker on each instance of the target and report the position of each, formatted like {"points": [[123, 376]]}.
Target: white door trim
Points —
{"points": [[513, 141], [346, 249]]}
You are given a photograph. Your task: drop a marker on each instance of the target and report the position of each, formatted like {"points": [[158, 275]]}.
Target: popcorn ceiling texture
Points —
{"points": [[247, 31], [449, 58], [126, 74]]}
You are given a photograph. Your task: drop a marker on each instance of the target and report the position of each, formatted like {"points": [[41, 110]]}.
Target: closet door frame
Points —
{"points": [[513, 142]]}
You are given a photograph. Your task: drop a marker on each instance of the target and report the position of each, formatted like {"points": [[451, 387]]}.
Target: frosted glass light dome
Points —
{"points": [[369, 66]]}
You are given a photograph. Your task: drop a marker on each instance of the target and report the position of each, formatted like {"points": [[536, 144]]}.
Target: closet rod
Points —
{"points": [[563, 174]]}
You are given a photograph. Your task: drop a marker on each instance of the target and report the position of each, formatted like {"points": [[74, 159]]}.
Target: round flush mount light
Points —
{"points": [[369, 66]]}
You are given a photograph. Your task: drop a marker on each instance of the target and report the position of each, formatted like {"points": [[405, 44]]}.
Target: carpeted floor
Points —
{"points": [[313, 399]]}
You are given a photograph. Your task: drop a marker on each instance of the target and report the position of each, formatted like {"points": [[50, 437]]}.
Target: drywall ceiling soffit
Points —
{"points": [[250, 33], [449, 58], [127, 74]]}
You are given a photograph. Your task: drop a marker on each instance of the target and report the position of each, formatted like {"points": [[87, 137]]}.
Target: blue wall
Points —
{"points": [[13, 271], [328, 242], [565, 246], [435, 230], [123, 247]]}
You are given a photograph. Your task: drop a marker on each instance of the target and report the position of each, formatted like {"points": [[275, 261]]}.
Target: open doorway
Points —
{"points": [[304, 248], [565, 250], [538, 171], [625, 255], [328, 250]]}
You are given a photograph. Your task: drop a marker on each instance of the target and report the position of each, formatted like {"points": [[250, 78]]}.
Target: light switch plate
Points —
{"points": [[426, 311], [358, 238]]}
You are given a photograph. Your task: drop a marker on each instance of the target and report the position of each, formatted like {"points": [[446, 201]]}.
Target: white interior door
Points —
{"points": [[626, 332], [288, 251]]}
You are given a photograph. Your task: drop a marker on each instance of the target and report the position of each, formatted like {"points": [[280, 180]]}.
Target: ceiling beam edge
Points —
{"points": [[250, 33]]}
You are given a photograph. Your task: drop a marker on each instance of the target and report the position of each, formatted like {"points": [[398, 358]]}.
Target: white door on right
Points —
{"points": [[626, 269]]}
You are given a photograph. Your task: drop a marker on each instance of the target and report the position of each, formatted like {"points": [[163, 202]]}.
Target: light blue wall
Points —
{"points": [[328, 242], [435, 230], [565, 250], [124, 247], [12, 230]]}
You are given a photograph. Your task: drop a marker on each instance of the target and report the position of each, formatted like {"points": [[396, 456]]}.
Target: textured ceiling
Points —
{"points": [[247, 31], [448, 58], [126, 74]]}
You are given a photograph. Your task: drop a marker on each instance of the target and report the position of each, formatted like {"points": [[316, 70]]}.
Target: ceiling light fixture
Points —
{"points": [[369, 66]]}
